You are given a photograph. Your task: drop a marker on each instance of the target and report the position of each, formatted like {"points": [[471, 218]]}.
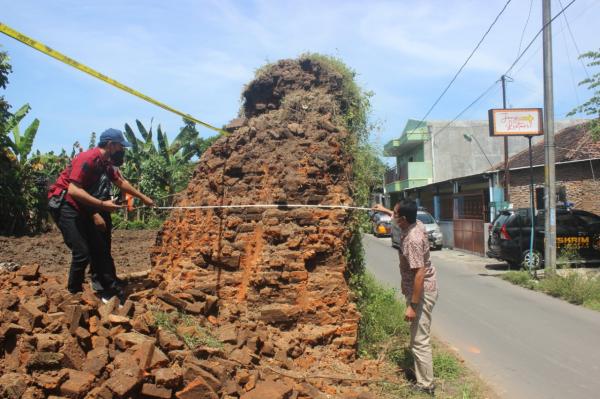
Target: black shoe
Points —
{"points": [[426, 390]]}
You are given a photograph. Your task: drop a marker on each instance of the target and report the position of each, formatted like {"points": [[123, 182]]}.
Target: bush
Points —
{"points": [[522, 278], [382, 314], [446, 366], [152, 222], [574, 287]]}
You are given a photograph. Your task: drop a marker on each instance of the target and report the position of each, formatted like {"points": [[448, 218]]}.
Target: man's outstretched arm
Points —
{"points": [[128, 188], [381, 208]]}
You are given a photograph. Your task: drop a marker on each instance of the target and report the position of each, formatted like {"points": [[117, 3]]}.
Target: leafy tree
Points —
{"points": [[164, 168], [369, 170], [591, 106], [92, 141], [5, 70], [21, 144]]}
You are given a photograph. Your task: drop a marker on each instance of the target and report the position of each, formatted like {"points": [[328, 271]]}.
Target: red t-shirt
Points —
{"points": [[85, 170]]}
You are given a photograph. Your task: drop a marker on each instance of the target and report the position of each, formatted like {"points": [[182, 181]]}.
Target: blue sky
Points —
{"points": [[197, 55]]}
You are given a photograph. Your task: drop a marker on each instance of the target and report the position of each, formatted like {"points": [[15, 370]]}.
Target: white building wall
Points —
{"points": [[453, 156]]}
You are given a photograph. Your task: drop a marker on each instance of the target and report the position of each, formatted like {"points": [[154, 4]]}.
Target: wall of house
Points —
{"points": [[453, 156], [417, 155], [581, 181]]}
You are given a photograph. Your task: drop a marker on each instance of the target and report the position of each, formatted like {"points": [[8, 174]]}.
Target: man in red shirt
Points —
{"points": [[73, 207]]}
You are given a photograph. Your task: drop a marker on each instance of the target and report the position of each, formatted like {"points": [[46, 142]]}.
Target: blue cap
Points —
{"points": [[114, 135]]}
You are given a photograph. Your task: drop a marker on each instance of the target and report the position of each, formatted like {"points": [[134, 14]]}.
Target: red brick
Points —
{"points": [[74, 355], [73, 315], [96, 360], [29, 272], [129, 339], [154, 391], [268, 389], [168, 377], [123, 382], [144, 354], [197, 389], [30, 316], [78, 384]]}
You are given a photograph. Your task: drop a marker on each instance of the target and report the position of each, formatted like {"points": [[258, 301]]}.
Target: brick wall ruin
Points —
{"points": [[277, 269]]}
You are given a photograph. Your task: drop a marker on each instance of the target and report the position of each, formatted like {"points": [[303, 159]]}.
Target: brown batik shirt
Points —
{"points": [[415, 254]]}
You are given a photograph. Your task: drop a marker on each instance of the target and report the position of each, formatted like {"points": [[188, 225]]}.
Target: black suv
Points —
{"points": [[577, 231]]}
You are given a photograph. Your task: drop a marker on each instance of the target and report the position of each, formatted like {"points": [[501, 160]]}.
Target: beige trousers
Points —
{"points": [[420, 344]]}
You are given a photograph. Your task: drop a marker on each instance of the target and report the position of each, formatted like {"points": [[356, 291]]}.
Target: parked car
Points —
{"points": [[434, 234], [381, 224], [577, 232]]}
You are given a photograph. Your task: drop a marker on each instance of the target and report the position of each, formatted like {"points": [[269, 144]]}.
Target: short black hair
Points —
{"points": [[103, 144], [408, 209]]}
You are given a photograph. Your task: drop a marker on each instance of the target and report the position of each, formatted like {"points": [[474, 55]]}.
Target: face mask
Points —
{"points": [[117, 158]]}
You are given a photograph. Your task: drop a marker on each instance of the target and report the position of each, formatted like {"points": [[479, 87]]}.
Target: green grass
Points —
{"points": [[382, 315], [446, 366], [201, 336], [164, 320], [522, 278], [151, 223], [573, 287]]}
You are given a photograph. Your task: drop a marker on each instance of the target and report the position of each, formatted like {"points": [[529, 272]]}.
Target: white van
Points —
{"points": [[433, 231]]}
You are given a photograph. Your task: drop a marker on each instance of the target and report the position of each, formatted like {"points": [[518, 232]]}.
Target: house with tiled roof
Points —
{"points": [[464, 205], [577, 163]]}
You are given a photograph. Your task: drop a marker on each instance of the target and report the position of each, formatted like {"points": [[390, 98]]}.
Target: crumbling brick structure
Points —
{"points": [[281, 268]]}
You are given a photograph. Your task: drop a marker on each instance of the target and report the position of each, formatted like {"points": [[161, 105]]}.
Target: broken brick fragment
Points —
{"points": [[154, 391], [197, 389], [123, 382], [78, 384]]}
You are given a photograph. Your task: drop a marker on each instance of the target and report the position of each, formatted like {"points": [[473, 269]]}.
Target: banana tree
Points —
{"points": [[21, 143]]}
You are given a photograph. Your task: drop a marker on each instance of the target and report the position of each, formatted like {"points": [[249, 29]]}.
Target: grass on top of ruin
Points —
{"points": [[384, 335]]}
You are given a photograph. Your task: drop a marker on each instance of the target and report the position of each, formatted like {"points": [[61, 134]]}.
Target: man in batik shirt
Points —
{"points": [[419, 287]]}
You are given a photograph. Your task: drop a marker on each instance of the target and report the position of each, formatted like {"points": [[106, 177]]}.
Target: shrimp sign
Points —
{"points": [[516, 122]]}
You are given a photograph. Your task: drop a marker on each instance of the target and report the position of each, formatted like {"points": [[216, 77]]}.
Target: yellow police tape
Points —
{"points": [[69, 61]]}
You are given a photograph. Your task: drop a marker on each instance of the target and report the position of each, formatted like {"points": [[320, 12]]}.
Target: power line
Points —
{"points": [[508, 70], [570, 66], [554, 33], [463, 65], [537, 35], [482, 95], [525, 27], [574, 42]]}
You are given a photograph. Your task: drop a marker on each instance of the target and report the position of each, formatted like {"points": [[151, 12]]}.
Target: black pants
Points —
{"points": [[88, 246]]}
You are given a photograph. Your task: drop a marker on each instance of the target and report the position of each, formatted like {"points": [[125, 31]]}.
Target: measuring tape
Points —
{"points": [[84, 68], [260, 206]]}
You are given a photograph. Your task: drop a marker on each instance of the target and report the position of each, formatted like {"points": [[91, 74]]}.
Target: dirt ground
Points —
{"points": [[130, 250]]}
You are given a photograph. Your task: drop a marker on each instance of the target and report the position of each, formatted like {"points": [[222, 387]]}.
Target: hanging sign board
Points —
{"points": [[516, 122]]}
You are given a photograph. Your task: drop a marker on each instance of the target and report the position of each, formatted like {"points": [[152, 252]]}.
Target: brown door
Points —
{"points": [[469, 216]]}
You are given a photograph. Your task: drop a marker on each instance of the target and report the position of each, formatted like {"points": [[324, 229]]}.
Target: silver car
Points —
{"points": [[433, 231]]}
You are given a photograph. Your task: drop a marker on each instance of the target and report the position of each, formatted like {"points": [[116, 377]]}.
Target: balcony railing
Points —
{"points": [[396, 174]]}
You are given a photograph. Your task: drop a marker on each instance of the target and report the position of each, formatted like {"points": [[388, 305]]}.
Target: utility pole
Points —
{"points": [[506, 170], [549, 146]]}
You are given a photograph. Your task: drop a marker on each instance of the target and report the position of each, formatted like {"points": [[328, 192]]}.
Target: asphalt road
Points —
{"points": [[523, 343]]}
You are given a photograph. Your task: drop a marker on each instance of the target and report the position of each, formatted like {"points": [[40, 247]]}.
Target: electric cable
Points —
{"points": [[574, 42], [509, 69], [463, 65], [537, 35], [570, 67], [525, 27], [482, 95]]}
